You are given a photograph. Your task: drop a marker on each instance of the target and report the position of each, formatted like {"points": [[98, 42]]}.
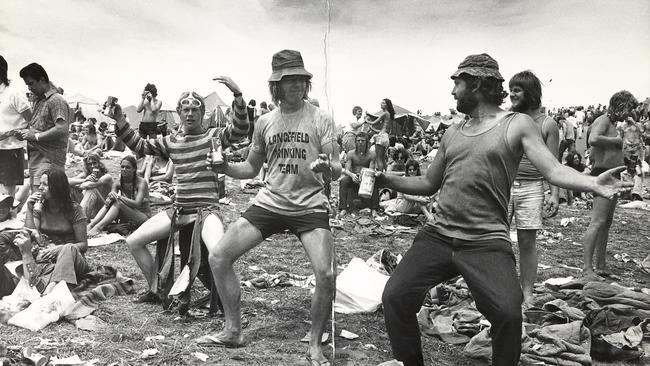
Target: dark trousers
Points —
{"points": [[349, 191], [488, 268]]}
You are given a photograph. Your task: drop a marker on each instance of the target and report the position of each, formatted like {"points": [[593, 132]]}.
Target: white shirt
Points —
{"points": [[12, 104]]}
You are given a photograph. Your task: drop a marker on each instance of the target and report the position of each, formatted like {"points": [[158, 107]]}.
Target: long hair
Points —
{"points": [[94, 156], [530, 84], [389, 108], [491, 88], [622, 100], [414, 164], [134, 164], [59, 187], [276, 94], [3, 71]]}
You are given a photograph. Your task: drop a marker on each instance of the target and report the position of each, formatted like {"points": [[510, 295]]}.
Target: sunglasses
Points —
{"points": [[190, 102]]}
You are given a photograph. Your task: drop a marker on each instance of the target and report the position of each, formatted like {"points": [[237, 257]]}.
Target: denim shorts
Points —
{"points": [[526, 204]]}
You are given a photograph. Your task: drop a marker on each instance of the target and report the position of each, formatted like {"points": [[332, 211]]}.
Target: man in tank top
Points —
{"points": [[473, 171], [527, 203]]}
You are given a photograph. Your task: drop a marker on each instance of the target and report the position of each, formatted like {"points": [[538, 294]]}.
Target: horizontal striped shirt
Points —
{"points": [[197, 186]]}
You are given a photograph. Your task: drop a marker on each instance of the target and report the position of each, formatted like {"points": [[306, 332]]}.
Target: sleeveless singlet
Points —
{"points": [[475, 189]]}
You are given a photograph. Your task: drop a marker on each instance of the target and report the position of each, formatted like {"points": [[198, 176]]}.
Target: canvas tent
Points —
{"points": [[167, 114], [405, 120], [439, 122], [89, 108], [214, 110]]}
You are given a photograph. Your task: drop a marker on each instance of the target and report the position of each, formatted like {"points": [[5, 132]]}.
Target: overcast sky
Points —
{"points": [[405, 50]]}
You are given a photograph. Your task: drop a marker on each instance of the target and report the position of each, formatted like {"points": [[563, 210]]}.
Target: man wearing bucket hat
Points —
{"points": [[469, 234], [298, 141]]}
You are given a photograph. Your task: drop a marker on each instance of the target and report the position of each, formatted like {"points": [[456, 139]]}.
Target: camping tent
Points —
{"points": [[404, 121], [166, 114], [437, 122], [89, 108]]}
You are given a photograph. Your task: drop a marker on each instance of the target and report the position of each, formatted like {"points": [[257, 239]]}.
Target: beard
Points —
{"points": [[467, 103], [522, 106]]}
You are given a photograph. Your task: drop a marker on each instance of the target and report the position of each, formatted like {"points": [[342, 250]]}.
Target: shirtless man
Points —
{"points": [[349, 187], [151, 106], [607, 153]]}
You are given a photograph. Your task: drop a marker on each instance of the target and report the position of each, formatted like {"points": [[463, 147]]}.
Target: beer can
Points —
{"points": [[367, 183]]}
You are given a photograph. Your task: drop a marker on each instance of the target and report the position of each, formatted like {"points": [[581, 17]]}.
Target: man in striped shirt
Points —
{"points": [[196, 192]]}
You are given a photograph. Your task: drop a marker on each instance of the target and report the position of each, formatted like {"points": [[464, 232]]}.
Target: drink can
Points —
{"points": [[367, 183]]}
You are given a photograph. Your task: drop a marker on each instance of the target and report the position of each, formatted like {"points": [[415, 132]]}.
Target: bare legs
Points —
{"points": [[595, 240], [243, 236], [153, 229], [107, 215], [527, 262]]}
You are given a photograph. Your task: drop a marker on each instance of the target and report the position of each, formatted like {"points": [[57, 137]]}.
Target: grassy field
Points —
{"points": [[277, 318]]}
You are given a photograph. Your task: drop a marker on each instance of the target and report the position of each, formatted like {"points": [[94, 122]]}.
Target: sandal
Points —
{"points": [[312, 362], [35, 280]]}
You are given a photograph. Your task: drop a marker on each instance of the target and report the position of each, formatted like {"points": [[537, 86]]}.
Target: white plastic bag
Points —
{"points": [[48, 309], [359, 288]]}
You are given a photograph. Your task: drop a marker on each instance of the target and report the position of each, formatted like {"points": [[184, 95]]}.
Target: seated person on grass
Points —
{"points": [[128, 200], [406, 203], [357, 159], [54, 240], [93, 184], [157, 169]]}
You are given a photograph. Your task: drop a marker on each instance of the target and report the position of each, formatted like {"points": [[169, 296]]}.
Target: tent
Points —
{"points": [[405, 120], [79, 98], [166, 114], [437, 122]]}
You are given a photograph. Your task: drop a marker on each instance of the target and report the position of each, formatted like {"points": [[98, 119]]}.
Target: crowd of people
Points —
{"points": [[487, 170]]}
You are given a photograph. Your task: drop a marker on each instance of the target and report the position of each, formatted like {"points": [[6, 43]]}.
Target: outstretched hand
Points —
{"points": [[608, 186], [229, 83], [322, 164]]}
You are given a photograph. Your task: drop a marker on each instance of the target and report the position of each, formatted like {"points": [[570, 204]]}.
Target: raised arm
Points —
{"points": [[238, 124]]}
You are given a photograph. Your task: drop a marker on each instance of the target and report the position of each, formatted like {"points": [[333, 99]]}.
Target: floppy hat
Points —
{"points": [[482, 65], [287, 62]]}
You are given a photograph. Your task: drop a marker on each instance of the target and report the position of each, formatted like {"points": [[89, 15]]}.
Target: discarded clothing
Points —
{"points": [[605, 294], [280, 279], [559, 344]]}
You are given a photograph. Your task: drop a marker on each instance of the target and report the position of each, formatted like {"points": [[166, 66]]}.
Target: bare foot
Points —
{"points": [[93, 232], [222, 339]]}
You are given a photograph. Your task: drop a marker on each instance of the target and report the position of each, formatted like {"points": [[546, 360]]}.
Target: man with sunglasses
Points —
{"points": [[299, 142], [196, 193]]}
